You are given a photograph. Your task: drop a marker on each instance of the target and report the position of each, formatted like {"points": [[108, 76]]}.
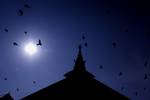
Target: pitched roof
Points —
{"points": [[78, 84]]}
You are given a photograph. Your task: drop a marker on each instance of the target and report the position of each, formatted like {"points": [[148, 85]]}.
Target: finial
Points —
{"points": [[80, 47]]}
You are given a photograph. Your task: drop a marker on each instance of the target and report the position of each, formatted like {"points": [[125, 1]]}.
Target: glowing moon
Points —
{"points": [[30, 48]]}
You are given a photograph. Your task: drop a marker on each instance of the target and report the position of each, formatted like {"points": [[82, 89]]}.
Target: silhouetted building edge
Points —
{"points": [[78, 84], [6, 97]]}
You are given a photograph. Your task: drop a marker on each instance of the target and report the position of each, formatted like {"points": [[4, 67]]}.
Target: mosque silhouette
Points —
{"points": [[78, 84]]}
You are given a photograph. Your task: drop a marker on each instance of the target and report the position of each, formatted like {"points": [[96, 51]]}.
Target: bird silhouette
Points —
{"points": [[34, 82], [25, 32], [145, 77], [136, 93], [145, 64], [15, 44], [114, 44], [122, 88], [85, 44], [17, 89], [20, 12], [27, 6], [5, 78], [83, 37], [120, 73], [101, 66], [6, 30], [39, 43]]}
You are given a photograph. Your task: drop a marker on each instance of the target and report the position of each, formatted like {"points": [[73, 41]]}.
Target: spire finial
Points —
{"points": [[80, 47]]}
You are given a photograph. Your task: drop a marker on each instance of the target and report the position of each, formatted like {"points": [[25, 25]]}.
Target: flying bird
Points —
{"points": [[83, 37], [6, 30], [15, 44], [85, 44], [101, 66], [5, 79], [120, 73], [122, 88], [114, 44], [39, 43], [20, 12], [25, 32], [136, 93], [145, 77], [17, 89], [145, 64], [26, 6], [34, 82]]}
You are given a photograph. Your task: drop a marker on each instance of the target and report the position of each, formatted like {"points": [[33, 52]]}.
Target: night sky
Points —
{"points": [[117, 34]]}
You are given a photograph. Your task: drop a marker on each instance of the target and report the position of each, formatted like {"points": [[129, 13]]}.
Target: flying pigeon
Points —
{"points": [[25, 32], [145, 77], [5, 79], [83, 37], [26, 6], [136, 93], [6, 30], [34, 82], [122, 88], [145, 64], [39, 43], [114, 44], [85, 44], [120, 73], [15, 44], [17, 89], [101, 66], [20, 12]]}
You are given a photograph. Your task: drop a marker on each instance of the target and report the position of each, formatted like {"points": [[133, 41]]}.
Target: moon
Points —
{"points": [[30, 48]]}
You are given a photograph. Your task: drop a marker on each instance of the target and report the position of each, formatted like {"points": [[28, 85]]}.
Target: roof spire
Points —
{"points": [[79, 69], [79, 63]]}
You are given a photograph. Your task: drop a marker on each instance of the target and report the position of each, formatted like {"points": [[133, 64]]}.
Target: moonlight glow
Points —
{"points": [[30, 48]]}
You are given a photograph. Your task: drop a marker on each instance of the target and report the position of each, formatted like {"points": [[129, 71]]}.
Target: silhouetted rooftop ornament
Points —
{"points": [[79, 67]]}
